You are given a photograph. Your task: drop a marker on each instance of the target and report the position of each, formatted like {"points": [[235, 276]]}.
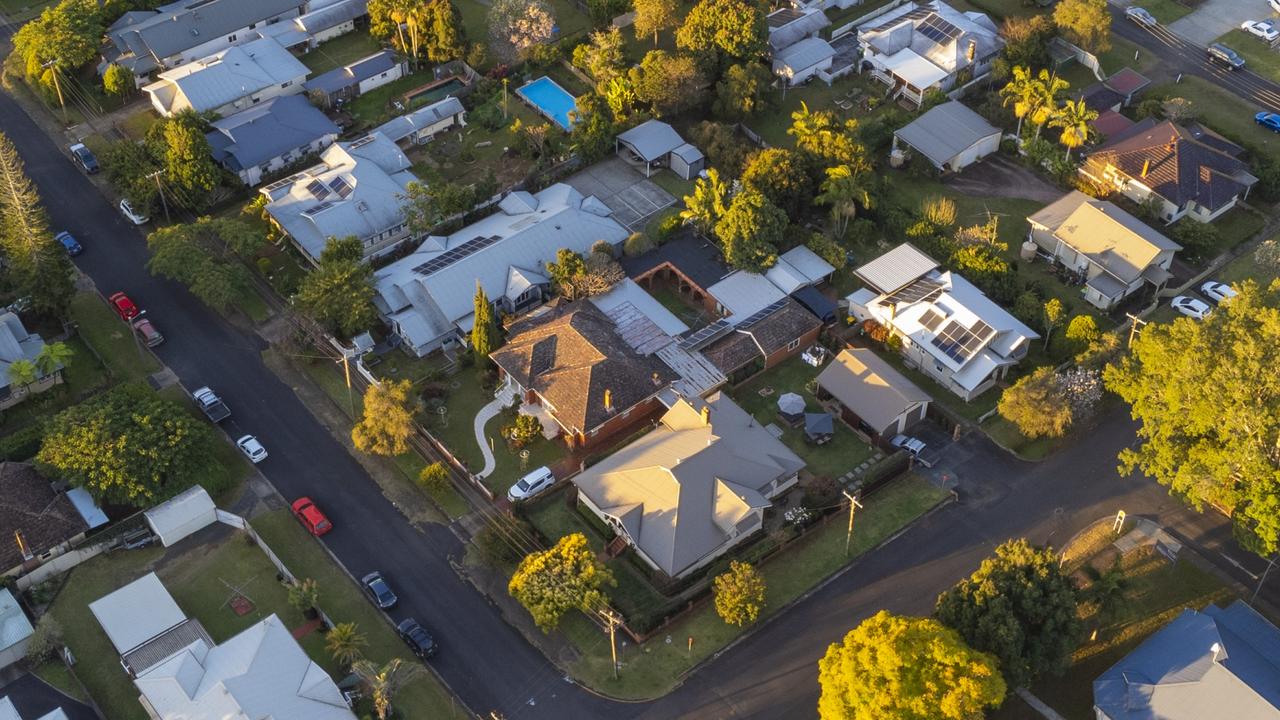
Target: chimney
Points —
{"points": [[608, 400], [657, 380], [22, 545], [1216, 649], [972, 51], [1146, 167], [706, 414]]}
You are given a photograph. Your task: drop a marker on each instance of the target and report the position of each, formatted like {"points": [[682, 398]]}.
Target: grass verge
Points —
{"points": [[111, 338]]}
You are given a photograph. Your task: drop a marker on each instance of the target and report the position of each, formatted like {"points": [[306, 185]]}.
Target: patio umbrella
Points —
{"points": [[791, 404]]}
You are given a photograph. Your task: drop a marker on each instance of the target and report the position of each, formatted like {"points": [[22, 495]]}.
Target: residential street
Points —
{"points": [[773, 674]]}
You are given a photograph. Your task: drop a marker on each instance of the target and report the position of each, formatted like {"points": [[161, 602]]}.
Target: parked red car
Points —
{"points": [[310, 516], [124, 307]]}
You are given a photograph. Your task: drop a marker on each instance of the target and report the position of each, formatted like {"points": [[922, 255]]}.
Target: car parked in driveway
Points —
{"points": [[84, 158], [124, 307], [146, 331], [310, 516], [1141, 17], [1217, 291], [1191, 307], [1225, 56], [417, 638], [912, 445], [132, 215], [531, 484], [252, 449], [1268, 120], [376, 587], [1263, 29], [69, 243]]}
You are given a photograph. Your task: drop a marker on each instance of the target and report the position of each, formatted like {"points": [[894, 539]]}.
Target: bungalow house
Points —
{"points": [[269, 137], [419, 126], [873, 396], [180, 672], [16, 344], [743, 345], [950, 136], [928, 45], [1114, 252], [573, 362], [1186, 171], [351, 81], [320, 23], [798, 53], [656, 144], [229, 81], [1215, 663], [37, 523], [427, 297], [693, 487], [175, 34], [949, 330], [356, 189]]}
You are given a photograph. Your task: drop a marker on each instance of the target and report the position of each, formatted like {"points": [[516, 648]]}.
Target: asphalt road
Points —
{"points": [[772, 674], [1179, 55]]}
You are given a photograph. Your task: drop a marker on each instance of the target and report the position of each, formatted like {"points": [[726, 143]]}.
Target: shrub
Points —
{"points": [[45, 642], [22, 444], [820, 491], [637, 244], [603, 247], [434, 478], [875, 331], [304, 594], [523, 431], [1199, 240], [668, 226]]}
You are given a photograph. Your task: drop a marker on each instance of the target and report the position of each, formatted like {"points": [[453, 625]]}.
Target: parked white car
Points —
{"points": [[531, 484], [252, 449], [1191, 307], [915, 446], [1141, 17], [1265, 29], [132, 215], [1217, 291]]}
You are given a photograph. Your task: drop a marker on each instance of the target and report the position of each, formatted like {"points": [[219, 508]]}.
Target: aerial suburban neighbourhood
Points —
{"points": [[639, 359]]}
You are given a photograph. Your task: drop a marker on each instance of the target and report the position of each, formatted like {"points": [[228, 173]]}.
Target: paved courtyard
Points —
{"points": [[633, 198]]}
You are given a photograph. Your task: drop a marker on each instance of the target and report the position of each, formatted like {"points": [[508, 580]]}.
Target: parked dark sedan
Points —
{"points": [[378, 590], [417, 638]]}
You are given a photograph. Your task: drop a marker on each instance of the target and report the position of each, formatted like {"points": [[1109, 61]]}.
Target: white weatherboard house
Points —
{"points": [[427, 297], [229, 81], [949, 329], [924, 45], [423, 124], [320, 23], [951, 136], [355, 79], [181, 674], [798, 53], [356, 190]]}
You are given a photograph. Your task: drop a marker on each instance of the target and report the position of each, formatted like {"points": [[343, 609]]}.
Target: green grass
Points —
{"points": [[1224, 112], [671, 300], [1259, 56], [507, 464], [374, 107], [1238, 226], [674, 184], [455, 429], [1006, 8], [1166, 11], [343, 602], [475, 20], [19, 11], [842, 454], [1007, 435], [340, 51], [101, 328], [653, 668], [59, 675], [441, 158], [773, 124]]}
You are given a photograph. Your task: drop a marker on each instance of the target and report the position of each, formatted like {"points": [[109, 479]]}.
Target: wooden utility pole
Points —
{"points": [[160, 188], [610, 617], [57, 86], [1134, 320], [346, 370], [853, 504]]}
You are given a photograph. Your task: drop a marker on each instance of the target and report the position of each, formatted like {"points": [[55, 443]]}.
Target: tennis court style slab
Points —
{"points": [[633, 199]]}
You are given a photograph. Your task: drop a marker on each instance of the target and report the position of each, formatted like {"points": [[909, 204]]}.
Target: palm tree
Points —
{"points": [[345, 643], [22, 373], [806, 125], [1023, 91], [53, 357], [846, 187], [384, 682], [1045, 103], [1074, 117], [706, 205], [1107, 590]]}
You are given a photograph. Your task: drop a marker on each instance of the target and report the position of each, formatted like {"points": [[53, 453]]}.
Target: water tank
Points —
{"points": [[1027, 251]]}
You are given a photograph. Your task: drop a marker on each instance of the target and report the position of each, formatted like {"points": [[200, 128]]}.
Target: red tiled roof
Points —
{"points": [[1111, 123], [1127, 82]]}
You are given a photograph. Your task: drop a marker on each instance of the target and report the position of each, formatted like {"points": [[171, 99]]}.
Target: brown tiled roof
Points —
{"points": [[1181, 165], [571, 356], [761, 338], [30, 506], [1127, 82]]}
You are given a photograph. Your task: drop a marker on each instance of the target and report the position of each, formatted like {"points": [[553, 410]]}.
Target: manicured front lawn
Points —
{"points": [[1166, 11], [340, 51], [508, 465], [455, 428], [652, 668], [1007, 435], [1224, 112], [113, 340], [842, 454]]}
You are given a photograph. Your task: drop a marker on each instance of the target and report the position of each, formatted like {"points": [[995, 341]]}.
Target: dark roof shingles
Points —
{"points": [[30, 506]]}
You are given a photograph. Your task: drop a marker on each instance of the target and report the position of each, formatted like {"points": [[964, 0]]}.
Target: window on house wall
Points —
{"points": [[793, 344], [231, 38]]}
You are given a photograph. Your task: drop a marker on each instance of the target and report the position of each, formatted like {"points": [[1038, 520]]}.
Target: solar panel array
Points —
{"points": [[341, 186], [931, 319], [917, 14], [362, 141], [763, 313], [938, 30], [706, 335], [961, 343], [318, 189], [926, 289], [317, 209], [449, 257]]}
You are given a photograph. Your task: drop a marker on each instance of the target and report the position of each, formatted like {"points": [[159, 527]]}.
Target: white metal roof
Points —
{"points": [[652, 139], [915, 69], [182, 514], [798, 267], [136, 612], [14, 625], [946, 131], [896, 268], [88, 509], [743, 293], [234, 73], [805, 54]]}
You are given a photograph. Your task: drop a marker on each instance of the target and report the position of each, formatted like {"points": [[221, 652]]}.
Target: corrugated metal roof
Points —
{"points": [[652, 139], [896, 268], [946, 131], [870, 387], [14, 625], [137, 612]]}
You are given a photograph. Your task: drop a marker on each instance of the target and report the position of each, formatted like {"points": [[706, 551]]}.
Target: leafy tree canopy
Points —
{"points": [[566, 577], [780, 175], [338, 293], [733, 29], [1086, 23], [739, 594], [750, 231], [387, 422]]}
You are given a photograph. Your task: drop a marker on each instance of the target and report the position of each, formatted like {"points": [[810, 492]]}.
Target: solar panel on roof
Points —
{"points": [[314, 210], [926, 289], [452, 256], [362, 141], [705, 336], [961, 343], [341, 186], [931, 319], [763, 313], [318, 190]]}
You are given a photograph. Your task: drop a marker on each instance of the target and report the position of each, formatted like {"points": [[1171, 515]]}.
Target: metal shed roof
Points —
{"points": [[946, 131], [896, 268]]}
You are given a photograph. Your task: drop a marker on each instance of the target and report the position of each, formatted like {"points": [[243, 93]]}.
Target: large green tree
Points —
{"points": [[127, 446], [847, 187], [725, 29], [593, 127], [63, 38], [742, 92], [707, 204], [443, 30], [1208, 399], [568, 576], [1086, 23], [750, 231], [602, 57], [654, 16], [118, 80], [670, 84], [1037, 405], [35, 263], [178, 146], [780, 175], [484, 331], [739, 594], [199, 255], [1018, 606], [387, 421], [904, 668], [339, 292]]}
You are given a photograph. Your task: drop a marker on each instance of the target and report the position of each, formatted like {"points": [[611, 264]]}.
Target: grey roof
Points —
{"points": [[788, 26], [254, 136], [685, 488], [798, 267], [688, 153], [16, 344], [651, 139], [14, 625], [935, 31], [224, 77], [178, 26], [429, 293], [1176, 674], [805, 54], [29, 505], [896, 268], [347, 75], [946, 131], [399, 128], [870, 387], [332, 15], [694, 257], [1120, 243], [377, 175]]}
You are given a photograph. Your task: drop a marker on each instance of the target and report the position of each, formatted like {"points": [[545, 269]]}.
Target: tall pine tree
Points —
{"points": [[484, 333], [37, 264]]}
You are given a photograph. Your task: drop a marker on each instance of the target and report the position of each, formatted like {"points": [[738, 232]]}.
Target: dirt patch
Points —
{"points": [[1000, 177]]}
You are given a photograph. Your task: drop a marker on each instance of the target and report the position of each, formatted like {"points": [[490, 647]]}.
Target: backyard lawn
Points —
{"points": [[340, 51], [760, 396], [446, 156]]}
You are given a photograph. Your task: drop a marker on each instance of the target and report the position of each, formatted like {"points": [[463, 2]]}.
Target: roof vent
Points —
{"points": [[195, 32], [362, 206], [1215, 649]]}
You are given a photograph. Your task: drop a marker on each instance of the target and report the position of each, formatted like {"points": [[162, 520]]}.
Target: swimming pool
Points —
{"points": [[550, 99]]}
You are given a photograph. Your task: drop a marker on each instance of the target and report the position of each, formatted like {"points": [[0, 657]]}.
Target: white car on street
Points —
{"points": [[252, 449], [1141, 17], [132, 215], [1191, 307], [1264, 29], [1217, 291]]}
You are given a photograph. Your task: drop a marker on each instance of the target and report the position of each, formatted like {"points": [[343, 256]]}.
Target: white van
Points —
{"points": [[531, 484]]}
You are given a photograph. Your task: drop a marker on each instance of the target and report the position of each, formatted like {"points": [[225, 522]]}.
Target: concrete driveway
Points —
{"points": [[1215, 17], [632, 197]]}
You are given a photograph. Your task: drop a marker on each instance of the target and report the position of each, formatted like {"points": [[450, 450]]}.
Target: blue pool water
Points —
{"points": [[550, 99]]}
